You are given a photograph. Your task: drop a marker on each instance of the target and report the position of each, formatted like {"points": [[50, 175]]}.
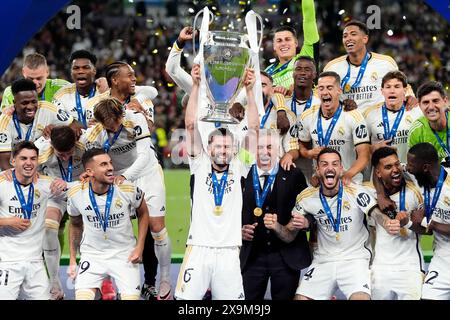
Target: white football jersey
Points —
{"points": [[120, 239], [24, 245], [46, 114], [132, 153], [49, 164], [441, 214], [143, 95], [368, 93], [399, 252], [353, 232], [350, 131], [65, 99], [208, 229], [374, 118]]}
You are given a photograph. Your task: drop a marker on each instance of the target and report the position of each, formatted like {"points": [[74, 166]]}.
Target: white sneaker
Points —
{"points": [[164, 292]]}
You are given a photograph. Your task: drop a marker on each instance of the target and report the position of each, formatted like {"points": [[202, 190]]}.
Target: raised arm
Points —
{"points": [[193, 139], [173, 67], [310, 32], [252, 110]]}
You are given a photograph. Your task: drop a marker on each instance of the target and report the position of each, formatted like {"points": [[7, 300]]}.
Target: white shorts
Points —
{"points": [[391, 284], [323, 279], [24, 280], [92, 271], [215, 268], [436, 285], [155, 191]]}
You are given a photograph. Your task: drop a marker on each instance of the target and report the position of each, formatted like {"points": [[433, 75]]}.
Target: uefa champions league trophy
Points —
{"points": [[223, 58]]}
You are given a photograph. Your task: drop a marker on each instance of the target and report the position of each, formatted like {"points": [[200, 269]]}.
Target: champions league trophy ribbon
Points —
{"points": [[223, 57]]}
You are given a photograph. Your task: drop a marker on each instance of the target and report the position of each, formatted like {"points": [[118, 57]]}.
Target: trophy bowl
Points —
{"points": [[226, 55]]}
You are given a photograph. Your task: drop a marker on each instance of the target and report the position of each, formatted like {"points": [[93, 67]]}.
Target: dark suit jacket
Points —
{"points": [[281, 200]]}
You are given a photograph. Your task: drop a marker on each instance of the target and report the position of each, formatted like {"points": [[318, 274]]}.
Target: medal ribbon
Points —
{"points": [[103, 220], [336, 222], [261, 197], [107, 145], [294, 103], [266, 115], [429, 208], [443, 145], [323, 142], [81, 114], [19, 129], [360, 75], [66, 175], [27, 207], [389, 133], [219, 188], [271, 69]]}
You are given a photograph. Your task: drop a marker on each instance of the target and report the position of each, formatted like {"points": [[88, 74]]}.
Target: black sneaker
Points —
{"points": [[149, 292]]}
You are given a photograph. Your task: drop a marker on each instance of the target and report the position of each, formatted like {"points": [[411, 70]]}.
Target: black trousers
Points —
{"points": [[149, 260], [269, 265]]}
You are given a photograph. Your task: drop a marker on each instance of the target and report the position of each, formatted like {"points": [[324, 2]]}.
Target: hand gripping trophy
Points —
{"points": [[223, 57]]}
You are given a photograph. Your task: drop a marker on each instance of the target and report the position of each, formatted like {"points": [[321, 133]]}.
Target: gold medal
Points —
{"points": [[218, 210], [105, 236], [257, 211], [337, 236], [403, 232], [347, 88]]}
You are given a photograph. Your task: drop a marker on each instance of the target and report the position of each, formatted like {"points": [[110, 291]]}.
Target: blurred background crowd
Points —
{"points": [[142, 33]]}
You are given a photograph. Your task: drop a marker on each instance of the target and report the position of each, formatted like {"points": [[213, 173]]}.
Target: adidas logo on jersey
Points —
{"points": [[14, 198], [163, 208], [380, 125], [88, 208], [241, 296], [366, 286]]}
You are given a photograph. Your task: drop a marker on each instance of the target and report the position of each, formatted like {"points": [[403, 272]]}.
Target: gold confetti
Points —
{"points": [[134, 63], [285, 10], [434, 38], [155, 51]]}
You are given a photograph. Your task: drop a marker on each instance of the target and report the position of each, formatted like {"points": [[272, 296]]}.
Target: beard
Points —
{"points": [[424, 180]]}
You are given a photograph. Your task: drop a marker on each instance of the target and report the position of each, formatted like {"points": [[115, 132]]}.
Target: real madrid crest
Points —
{"points": [[346, 205], [118, 203], [374, 76], [341, 131], [37, 194]]}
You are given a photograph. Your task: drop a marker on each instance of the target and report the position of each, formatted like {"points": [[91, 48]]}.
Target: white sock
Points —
{"points": [[163, 253], [52, 250]]}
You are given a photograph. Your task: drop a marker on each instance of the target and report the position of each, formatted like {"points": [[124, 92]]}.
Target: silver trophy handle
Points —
{"points": [[261, 32], [194, 25]]}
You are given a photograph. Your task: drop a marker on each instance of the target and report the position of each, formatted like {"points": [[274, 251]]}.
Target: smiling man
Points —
{"points": [[361, 70], [29, 119], [342, 257], [35, 69], [433, 126], [74, 96], [326, 125], [285, 46]]}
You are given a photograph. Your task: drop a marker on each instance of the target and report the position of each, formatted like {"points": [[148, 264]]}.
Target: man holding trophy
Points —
{"points": [[212, 255]]}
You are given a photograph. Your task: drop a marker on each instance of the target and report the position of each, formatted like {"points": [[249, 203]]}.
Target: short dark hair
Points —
{"points": [[91, 153], [286, 28], [361, 25], [328, 150], [333, 74], [24, 145], [22, 85], [62, 138], [112, 69], [395, 75], [222, 132], [108, 109], [382, 153], [426, 152], [265, 74], [429, 87], [306, 58], [83, 54], [34, 61]]}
